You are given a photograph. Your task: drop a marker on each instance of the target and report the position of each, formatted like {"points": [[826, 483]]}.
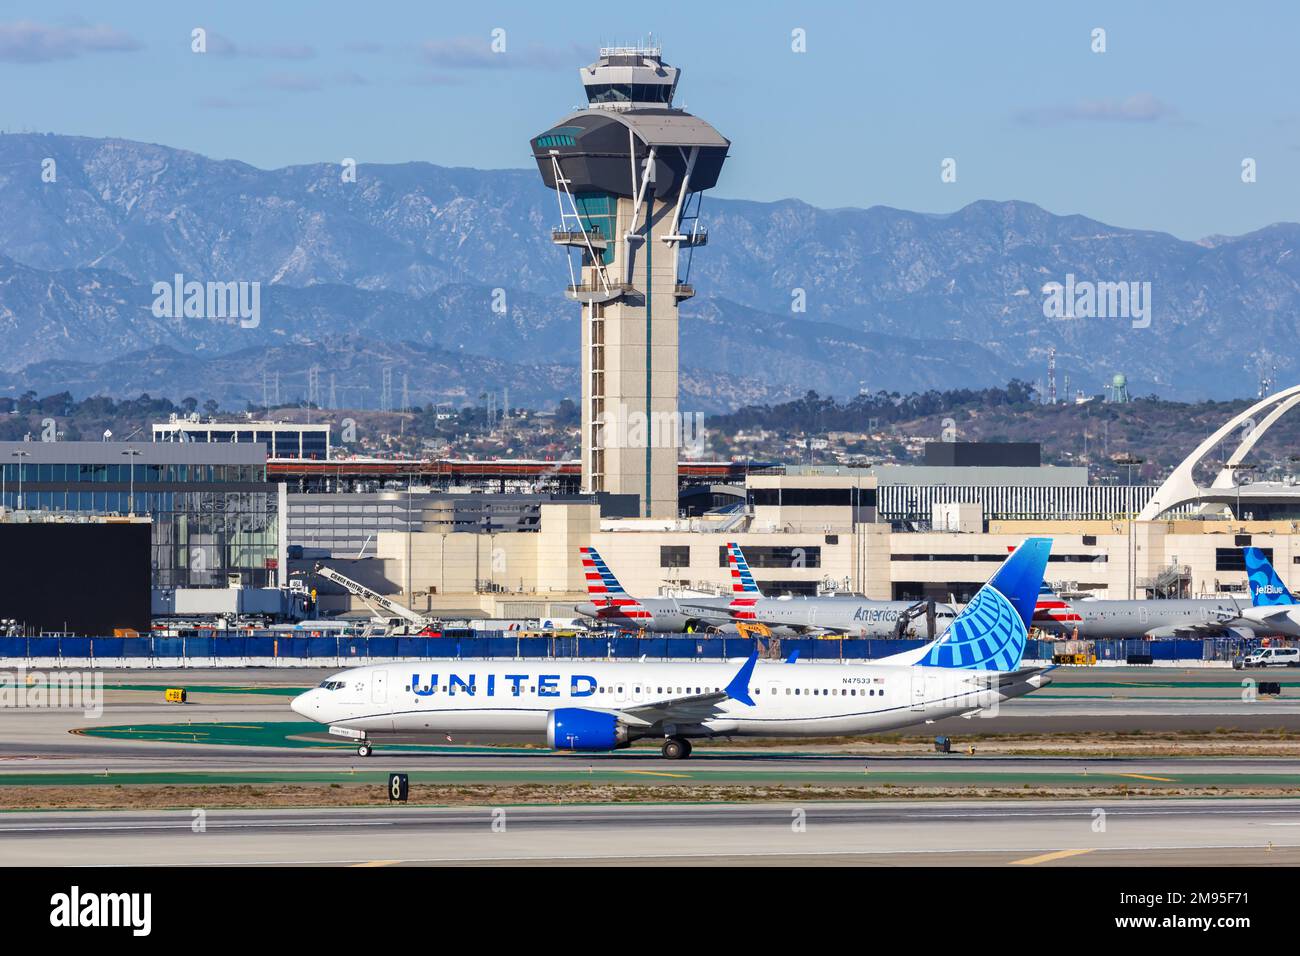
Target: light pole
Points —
{"points": [[1130, 461], [20, 455], [410, 598], [1238, 479], [132, 454]]}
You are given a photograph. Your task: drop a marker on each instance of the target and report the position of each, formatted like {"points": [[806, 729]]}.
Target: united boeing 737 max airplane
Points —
{"points": [[605, 705]]}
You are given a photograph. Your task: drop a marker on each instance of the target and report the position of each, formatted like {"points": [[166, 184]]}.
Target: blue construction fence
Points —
{"points": [[491, 644]]}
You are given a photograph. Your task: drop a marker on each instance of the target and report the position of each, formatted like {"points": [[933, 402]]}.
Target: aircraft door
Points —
{"points": [[620, 692], [933, 689], [918, 688], [379, 687]]}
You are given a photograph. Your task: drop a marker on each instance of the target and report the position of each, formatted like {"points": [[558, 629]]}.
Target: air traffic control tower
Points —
{"points": [[628, 171]]}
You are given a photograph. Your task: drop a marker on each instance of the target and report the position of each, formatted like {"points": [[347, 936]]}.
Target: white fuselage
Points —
{"points": [[516, 697], [843, 614], [1104, 619]]}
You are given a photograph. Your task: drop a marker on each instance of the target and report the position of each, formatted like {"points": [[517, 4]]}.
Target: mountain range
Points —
{"points": [[448, 277]]}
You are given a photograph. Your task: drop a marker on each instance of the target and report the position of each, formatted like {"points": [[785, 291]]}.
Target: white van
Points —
{"points": [[1273, 657]]}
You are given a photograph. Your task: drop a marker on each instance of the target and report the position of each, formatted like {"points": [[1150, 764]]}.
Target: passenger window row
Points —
{"points": [[796, 691]]}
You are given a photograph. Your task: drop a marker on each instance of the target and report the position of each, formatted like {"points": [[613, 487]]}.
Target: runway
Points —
{"points": [[239, 720], [763, 803], [1020, 833]]}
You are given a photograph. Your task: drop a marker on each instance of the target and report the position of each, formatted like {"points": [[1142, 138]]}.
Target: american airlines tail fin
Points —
{"points": [[1054, 612], [1266, 588], [607, 595], [991, 631], [600, 579], [742, 581]]}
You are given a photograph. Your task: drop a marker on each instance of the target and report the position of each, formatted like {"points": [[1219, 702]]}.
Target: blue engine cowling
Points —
{"points": [[572, 728]]}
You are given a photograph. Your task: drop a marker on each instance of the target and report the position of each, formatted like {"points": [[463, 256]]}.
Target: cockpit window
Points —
{"points": [[331, 684]]}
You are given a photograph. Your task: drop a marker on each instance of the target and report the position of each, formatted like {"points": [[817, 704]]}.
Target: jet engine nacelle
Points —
{"points": [[573, 728]]}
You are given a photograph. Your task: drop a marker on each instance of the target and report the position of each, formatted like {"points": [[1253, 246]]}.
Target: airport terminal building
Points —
{"points": [[805, 534], [213, 512]]}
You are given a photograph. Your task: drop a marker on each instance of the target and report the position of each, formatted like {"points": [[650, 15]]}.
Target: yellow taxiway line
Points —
{"points": [[1048, 857]]}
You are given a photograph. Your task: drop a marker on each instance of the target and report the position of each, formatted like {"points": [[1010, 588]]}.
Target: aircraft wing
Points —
{"points": [[677, 710], [1203, 629], [1006, 678], [1273, 616], [733, 615], [709, 611], [694, 708]]}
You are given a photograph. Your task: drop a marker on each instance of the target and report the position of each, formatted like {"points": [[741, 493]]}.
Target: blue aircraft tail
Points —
{"points": [[991, 631], [1266, 588]]}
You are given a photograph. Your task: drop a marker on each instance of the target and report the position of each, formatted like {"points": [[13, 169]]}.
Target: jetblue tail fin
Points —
{"points": [[1266, 588], [991, 631], [742, 581]]}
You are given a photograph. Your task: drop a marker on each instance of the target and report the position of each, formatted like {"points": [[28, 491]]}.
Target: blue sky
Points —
{"points": [[1150, 134]]}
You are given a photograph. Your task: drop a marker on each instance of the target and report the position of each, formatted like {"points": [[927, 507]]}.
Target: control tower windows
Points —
{"points": [[660, 93]]}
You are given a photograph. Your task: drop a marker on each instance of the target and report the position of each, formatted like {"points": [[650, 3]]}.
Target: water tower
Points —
{"points": [[1117, 391], [628, 171]]}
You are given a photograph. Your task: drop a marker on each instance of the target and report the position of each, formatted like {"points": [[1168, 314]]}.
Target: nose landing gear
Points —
{"points": [[364, 749]]}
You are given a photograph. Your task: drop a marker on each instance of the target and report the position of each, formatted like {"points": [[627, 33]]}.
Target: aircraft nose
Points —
{"points": [[301, 704]]}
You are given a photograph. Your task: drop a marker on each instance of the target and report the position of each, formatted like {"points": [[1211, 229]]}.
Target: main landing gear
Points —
{"points": [[676, 748]]}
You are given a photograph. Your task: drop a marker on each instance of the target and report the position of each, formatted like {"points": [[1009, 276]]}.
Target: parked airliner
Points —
{"points": [[784, 616], [843, 614], [605, 705], [610, 604], [1173, 617]]}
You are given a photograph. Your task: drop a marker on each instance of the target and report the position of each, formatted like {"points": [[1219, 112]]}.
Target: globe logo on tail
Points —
{"points": [[988, 636]]}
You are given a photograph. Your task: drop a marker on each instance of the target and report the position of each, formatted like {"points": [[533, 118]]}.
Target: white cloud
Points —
{"points": [[25, 41], [219, 45], [476, 53], [1139, 108]]}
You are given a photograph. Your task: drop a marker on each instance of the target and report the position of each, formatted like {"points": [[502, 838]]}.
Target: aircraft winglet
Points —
{"points": [[738, 689]]}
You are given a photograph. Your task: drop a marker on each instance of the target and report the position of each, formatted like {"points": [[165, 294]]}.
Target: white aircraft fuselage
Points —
{"points": [[523, 697]]}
